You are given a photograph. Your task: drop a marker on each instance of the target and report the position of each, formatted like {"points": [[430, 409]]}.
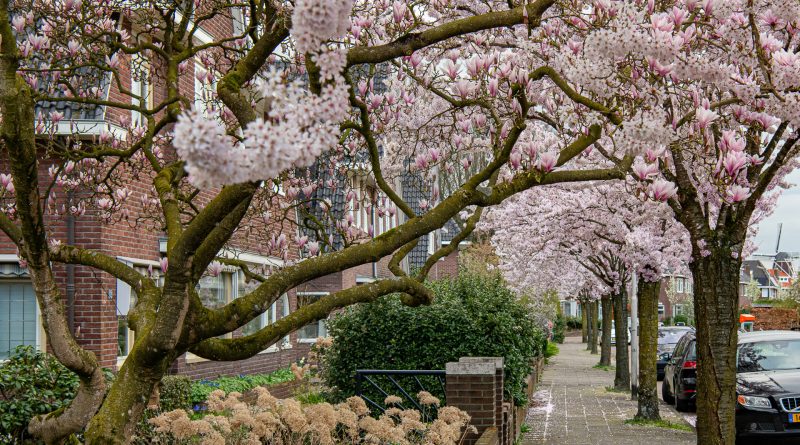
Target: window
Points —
{"points": [[431, 243], [278, 310], [661, 309], [141, 87], [19, 317], [215, 292], [677, 310], [126, 299], [311, 331], [783, 279], [203, 90], [689, 288], [679, 285]]}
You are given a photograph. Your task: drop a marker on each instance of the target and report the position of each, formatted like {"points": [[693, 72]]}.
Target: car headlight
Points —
{"points": [[754, 402]]}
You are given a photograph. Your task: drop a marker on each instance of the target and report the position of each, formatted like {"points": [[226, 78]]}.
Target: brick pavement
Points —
{"points": [[572, 407]]}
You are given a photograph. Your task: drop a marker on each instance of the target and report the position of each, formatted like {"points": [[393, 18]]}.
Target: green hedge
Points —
{"points": [[470, 316]]}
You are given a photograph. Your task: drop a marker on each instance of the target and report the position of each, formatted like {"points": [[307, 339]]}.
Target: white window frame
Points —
{"points": [[677, 309], [124, 290], [662, 309], [139, 86], [431, 243], [270, 316], [322, 329], [679, 285]]}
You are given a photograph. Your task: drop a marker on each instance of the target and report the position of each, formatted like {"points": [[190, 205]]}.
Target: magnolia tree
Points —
{"points": [[429, 89], [704, 94], [608, 233]]}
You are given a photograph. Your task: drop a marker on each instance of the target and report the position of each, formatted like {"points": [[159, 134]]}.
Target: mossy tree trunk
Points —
{"points": [[605, 345], [622, 374], [648, 344], [584, 322], [595, 325]]}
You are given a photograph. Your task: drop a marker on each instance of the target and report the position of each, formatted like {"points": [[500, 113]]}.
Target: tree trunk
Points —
{"points": [[595, 306], [589, 330], [716, 302], [125, 402], [622, 376], [584, 323], [605, 346], [648, 345]]}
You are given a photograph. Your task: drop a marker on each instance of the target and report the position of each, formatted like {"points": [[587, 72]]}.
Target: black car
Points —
{"points": [[668, 337], [680, 374], [768, 384]]}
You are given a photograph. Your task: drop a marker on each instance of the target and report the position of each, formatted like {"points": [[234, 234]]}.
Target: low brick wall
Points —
{"points": [[475, 385], [489, 437]]}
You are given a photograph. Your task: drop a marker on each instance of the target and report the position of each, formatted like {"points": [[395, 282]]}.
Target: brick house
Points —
{"points": [[675, 296], [98, 303]]}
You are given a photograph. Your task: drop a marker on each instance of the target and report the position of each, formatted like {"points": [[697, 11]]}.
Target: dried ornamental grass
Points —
{"points": [[231, 421]]}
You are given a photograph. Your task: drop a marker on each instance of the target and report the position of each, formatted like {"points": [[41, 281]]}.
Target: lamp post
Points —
{"points": [[634, 336]]}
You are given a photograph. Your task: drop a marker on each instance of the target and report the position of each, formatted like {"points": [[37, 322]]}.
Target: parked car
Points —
{"points": [[614, 332], [668, 338], [678, 386], [768, 384]]}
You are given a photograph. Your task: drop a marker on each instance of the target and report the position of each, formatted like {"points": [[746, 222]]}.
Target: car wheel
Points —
{"points": [[680, 405], [665, 394]]}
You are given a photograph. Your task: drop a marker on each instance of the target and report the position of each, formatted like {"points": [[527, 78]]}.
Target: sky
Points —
{"points": [[787, 212]]}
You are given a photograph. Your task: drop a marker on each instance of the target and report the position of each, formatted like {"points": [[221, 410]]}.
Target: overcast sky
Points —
{"points": [[788, 213]]}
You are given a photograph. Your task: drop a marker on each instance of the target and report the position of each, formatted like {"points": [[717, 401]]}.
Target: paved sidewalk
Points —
{"points": [[573, 407]]}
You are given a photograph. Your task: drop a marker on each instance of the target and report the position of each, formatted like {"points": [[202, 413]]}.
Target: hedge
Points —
{"points": [[470, 316]]}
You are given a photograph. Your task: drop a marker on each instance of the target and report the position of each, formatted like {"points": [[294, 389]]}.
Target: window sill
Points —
{"points": [[308, 340]]}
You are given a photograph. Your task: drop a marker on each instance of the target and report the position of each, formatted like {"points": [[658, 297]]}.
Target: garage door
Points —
{"points": [[18, 323]]}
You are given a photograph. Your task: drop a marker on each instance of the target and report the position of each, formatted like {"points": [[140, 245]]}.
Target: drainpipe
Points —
{"points": [[70, 268], [374, 234]]}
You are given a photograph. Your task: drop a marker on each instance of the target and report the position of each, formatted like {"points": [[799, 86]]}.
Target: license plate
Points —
{"points": [[794, 418]]}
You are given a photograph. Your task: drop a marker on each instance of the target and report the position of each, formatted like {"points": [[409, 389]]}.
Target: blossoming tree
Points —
{"points": [[608, 233], [300, 87], [705, 93]]}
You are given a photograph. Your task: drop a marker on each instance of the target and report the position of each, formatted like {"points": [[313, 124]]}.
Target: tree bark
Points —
{"points": [[716, 302], [605, 345], [648, 338], [595, 306], [584, 324], [622, 376], [589, 330]]}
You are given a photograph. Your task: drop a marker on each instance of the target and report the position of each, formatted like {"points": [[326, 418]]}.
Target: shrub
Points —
{"points": [[31, 383], [243, 383], [175, 393], [680, 319], [574, 323], [559, 328], [470, 316], [268, 420]]}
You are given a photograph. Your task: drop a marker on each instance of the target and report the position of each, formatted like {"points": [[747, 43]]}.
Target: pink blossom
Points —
{"points": [[644, 171], [733, 162], [546, 162], [314, 21], [313, 248], [164, 263], [704, 117], [515, 159], [663, 190], [215, 268], [18, 22], [737, 193]]}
